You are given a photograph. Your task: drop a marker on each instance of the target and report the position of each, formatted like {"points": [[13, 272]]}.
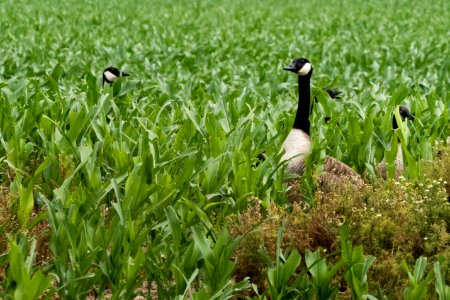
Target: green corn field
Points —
{"points": [[154, 187]]}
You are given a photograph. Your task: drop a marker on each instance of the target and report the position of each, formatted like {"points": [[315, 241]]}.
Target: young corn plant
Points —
{"points": [[284, 269], [184, 265], [23, 280], [217, 267], [442, 289], [26, 195], [322, 275], [418, 281], [357, 267]]}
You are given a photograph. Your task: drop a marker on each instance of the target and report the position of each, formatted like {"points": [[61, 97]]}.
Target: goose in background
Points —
{"points": [[334, 94], [405, 114], [298, 144], [111, 74]]}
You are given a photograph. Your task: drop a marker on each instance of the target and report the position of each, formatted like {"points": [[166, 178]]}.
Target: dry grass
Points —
{"points": [[10, 226], [8, 222]]}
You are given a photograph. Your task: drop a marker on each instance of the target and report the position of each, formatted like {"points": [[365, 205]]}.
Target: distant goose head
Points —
{"points": [[334, 94], [405, 114], [111, 74], [300, 66]]}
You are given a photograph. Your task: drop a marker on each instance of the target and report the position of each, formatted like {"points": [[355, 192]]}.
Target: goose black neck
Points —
{"points": [[394, 123], [304, 101], [395, 126]]}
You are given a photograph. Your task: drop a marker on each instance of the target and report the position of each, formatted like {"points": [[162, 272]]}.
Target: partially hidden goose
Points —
{"points": [[405, 114]]}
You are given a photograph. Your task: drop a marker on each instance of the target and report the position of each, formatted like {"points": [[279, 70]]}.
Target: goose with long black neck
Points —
{"points": [[405, 114], [298, 143]]}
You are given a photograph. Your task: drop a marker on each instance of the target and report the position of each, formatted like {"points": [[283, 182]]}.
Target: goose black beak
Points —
{"points": [[291, 68], [410, 117], [125, 74]]}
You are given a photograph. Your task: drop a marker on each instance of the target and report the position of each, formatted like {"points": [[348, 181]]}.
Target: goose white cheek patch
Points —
{"points": [[305, 69], [110, 76]]}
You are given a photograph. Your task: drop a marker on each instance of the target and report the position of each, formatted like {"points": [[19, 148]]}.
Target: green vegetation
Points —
{"points": [[153, 187]]}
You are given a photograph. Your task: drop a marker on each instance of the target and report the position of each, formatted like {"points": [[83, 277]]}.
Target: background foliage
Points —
{"points": [[106, 191]]}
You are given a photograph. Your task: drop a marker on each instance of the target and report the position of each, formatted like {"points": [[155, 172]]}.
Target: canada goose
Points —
{"points": [[110, 74], [298, 143], [405, 114]]}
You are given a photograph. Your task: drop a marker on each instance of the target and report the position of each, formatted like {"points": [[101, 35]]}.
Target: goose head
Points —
{"points": [[300, 66], [111, 74], [405, 114]]}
